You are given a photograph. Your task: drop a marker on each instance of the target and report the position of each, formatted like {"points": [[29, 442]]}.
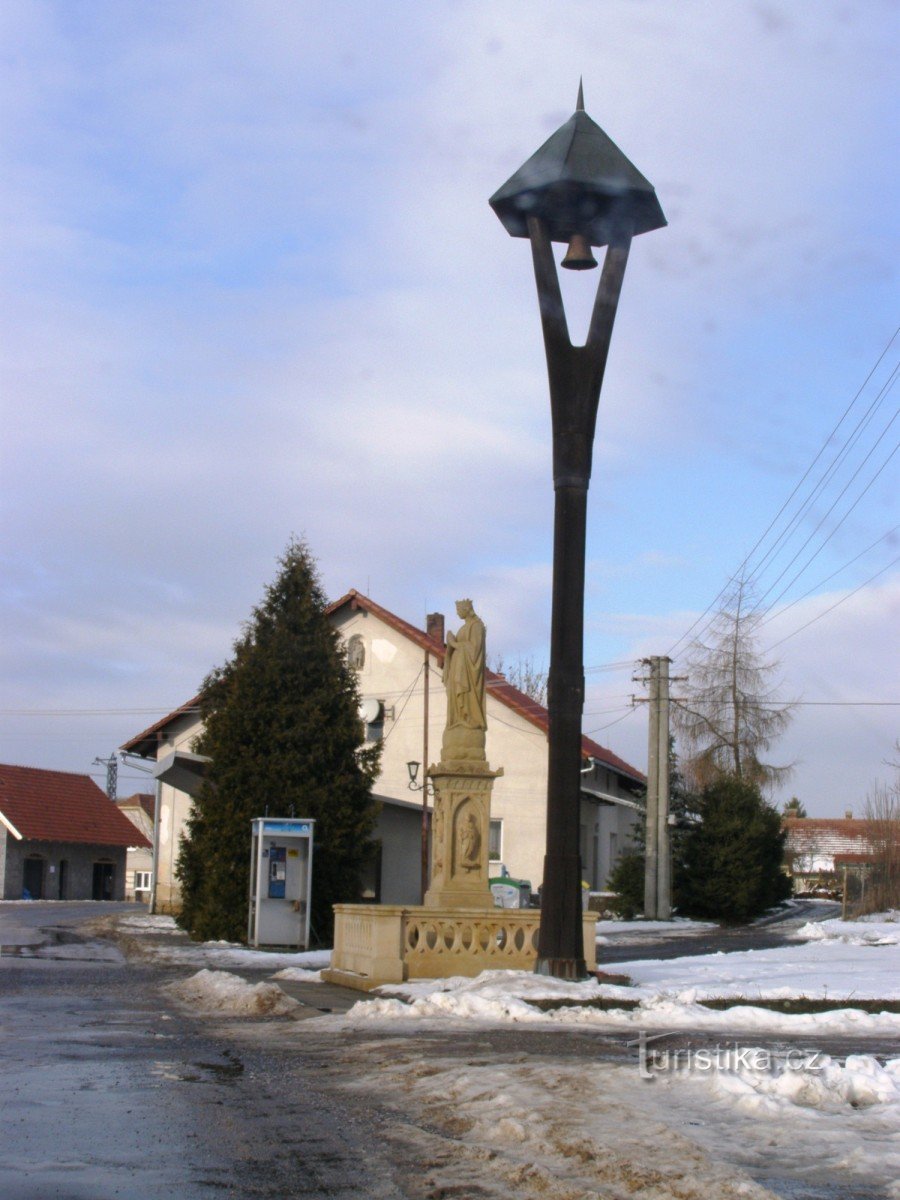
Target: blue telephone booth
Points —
{"points": [[280, 882]]}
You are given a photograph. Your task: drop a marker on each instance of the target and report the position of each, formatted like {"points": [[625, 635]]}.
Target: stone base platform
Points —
{"points": [[384, 943]]}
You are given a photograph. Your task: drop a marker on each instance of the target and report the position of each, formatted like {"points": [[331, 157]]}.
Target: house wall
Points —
{"points": [[392, 673], [137, 860], [79, 874], [606, 828], [400, 832], [172, 810], [3, 837]]}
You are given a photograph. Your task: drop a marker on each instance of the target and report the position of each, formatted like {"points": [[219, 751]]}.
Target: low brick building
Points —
{"points": [[61, 838]]}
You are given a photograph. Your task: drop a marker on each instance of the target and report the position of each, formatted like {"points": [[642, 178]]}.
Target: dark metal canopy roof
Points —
{"points": [[579, 182]]}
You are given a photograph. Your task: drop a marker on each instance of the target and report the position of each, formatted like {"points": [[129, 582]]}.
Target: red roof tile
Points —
{"points": [[145, 744], [58, 806], [144, 800]]}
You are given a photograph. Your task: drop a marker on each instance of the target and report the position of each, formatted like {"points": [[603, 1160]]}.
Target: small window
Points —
{"points": [[495, 841], [142, 881]]}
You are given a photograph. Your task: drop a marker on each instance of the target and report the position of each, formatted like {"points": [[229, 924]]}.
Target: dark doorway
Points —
{"points": [[104, 880], [33, 878], [63, 878]]}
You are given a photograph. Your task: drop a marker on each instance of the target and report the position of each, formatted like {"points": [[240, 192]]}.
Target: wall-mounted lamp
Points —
{"points": [[413, 768]]}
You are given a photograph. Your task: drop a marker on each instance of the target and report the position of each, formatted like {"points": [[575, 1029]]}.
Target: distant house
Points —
{"points": [[139, 810], [61, 838], [816, 849], [398, 666]]}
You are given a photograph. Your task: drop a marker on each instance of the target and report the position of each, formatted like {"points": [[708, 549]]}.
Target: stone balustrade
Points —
{"points": [[392, 943]]}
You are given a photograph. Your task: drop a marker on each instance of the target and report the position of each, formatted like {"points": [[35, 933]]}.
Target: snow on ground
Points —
{"points": [[218, 954], [828, 969], [502, 997], [543, 1130], [221, 992], [555, 1129], [669, 992], [638, 930], [877, 929]]}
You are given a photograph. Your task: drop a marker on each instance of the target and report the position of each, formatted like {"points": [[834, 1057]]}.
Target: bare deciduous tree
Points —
{"points": [[729, 712], [883, 831], [524, 675]]}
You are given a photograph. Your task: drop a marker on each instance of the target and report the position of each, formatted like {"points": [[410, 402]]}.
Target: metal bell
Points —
{"points": [[579, 256]]}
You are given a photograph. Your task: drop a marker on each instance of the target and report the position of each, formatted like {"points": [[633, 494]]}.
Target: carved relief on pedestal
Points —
{"points": [[467, 841]]}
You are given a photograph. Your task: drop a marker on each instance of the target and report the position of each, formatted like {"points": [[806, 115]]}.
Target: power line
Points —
{"points": [[829, 512], [93, 712], [830, 472], [738, 573], [773, 615], [629, 712], [837, 604]]}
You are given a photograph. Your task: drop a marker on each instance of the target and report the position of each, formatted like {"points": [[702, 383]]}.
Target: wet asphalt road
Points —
{"points": [[764, 935], [109, 1092]]}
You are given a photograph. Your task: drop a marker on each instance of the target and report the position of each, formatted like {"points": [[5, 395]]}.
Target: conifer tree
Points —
{"points": [[732, 854], [281, 727]]}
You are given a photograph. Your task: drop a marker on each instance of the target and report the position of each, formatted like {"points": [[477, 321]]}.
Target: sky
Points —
{"points": [[252, 289]]}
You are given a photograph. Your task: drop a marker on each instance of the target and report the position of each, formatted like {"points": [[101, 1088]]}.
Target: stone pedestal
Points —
{"points": [[460, 835]]}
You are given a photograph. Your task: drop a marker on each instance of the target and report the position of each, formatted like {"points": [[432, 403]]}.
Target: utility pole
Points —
{"points": [[663, 849], [425, 783], [657, 861], [112, 774]]}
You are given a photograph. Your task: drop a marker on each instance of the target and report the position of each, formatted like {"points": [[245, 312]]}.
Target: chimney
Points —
{"points": [[848, 814], [434, 627]]}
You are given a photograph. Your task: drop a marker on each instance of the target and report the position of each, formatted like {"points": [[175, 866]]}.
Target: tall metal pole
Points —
{"points": [[576, 375], [651, 848], [425, 785], [579, 188]]}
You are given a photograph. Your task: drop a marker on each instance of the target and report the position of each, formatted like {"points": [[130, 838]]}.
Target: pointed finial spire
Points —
{"points": [[579, 103]]}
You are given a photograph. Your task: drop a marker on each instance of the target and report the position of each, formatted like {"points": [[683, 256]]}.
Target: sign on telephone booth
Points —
{"points": [[280, 882]]}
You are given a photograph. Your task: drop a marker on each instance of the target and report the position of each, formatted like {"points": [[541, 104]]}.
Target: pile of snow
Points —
{"points": [[877, 929], [668, 993], [182, 952], [221, 992], [506, 1001], [144, 923], [861, 1082], [309, 974]]}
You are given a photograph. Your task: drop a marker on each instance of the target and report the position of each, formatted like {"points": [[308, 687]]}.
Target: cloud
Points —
{"points": [[254, 287]]}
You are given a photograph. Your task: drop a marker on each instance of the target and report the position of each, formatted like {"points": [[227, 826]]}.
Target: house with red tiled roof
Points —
{"points": [[817, 848], [404, 707], [61, 837]]}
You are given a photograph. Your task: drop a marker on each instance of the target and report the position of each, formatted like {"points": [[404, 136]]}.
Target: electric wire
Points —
{"points": [[771, 616], [738, 573], [867, 417], [837, 500], [837, 604]]}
